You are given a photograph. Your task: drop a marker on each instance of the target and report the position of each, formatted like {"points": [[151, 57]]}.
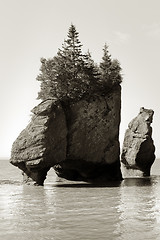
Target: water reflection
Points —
{"points": [[86, 212], [81, 211], [139, 182], [138, 208]]}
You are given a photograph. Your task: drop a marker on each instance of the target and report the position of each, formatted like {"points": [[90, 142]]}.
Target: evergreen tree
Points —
{"points": [[91, 72], [109, 69], [105, 66], [71, 74], [60, 76], [90, 67], [48, 80], [71, 53], [70, 62], [115, 72]]}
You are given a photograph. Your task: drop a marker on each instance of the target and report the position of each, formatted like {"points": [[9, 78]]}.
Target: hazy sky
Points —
{"points": [[31, 29]]}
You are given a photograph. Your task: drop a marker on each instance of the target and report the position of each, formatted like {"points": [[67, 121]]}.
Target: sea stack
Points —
{"points": [[79, 139], [138, 150], [75, 129]]}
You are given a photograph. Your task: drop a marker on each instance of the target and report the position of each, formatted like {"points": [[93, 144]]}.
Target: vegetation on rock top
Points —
{"points": [[71, 74]]}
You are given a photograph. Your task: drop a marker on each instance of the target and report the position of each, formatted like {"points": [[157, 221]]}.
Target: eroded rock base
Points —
{"points": [[80, 170]]}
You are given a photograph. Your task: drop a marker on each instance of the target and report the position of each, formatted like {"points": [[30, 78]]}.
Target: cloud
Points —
{"points": [[153, 30], [121, 37]]}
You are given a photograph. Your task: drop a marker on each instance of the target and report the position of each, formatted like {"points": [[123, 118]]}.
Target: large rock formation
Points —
{"points": [[79, 139], [138, 147]]}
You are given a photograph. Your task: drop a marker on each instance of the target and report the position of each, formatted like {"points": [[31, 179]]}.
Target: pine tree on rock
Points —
{"points": [[72, 74], [48, 80], [110, 70], [105, 66], [71, 62], [115, 72], [90, 67], [91, 71]]}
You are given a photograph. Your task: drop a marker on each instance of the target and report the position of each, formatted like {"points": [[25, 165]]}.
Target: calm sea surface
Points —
{"points": [[78, 211]]}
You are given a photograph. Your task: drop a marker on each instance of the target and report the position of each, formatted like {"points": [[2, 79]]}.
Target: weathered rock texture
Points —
{"points": [[79, 139], [138, 147]]}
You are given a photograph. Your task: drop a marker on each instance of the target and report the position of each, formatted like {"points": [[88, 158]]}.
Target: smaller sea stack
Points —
{"points": [[138, 150]]}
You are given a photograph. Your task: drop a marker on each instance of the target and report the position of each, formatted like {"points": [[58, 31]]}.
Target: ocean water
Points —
{"points": [[78, 211]]}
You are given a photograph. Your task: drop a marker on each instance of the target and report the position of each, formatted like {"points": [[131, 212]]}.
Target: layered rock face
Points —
{"points": [[138, 147], [79, 139]]}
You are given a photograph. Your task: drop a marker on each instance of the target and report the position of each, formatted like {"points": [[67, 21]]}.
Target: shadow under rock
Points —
{"points": [[88, 185]]}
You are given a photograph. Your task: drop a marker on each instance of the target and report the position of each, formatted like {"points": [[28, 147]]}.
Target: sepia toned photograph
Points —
{"points": [[80, 120]]}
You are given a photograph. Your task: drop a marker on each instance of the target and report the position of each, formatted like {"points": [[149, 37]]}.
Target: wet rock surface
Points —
{"points": [[138, 150]]}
